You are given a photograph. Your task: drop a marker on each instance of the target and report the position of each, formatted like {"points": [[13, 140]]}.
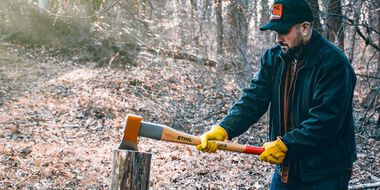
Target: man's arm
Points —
{"points": [[332, 99], [253, 103]]}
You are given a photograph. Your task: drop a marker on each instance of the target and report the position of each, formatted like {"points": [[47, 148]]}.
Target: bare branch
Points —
{"points": [[366, 76], [356, 25], [76, 17], [365, 186]]}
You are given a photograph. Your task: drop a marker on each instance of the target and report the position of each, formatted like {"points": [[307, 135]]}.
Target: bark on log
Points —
{"points": [[130, 170]]}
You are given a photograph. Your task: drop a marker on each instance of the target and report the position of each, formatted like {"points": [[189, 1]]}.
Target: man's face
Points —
{"points": [[291, 42]]}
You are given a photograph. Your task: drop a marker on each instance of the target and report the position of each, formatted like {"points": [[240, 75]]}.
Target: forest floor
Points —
{"points": [[60, 121]]}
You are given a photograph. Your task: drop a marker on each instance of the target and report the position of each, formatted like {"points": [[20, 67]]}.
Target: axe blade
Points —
{"points": [[131, 132]]}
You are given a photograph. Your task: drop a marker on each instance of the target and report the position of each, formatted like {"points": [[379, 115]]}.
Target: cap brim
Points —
{"points": [[277, 26]]}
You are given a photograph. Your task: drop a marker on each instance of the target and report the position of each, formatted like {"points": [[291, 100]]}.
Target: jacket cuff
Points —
{"points": [[284, 139], [229, 132]]}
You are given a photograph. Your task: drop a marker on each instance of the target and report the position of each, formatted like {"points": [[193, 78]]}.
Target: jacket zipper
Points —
{"points": [[292, 111], [279, 93], [296, 71], [284, 172], [291, 90]]}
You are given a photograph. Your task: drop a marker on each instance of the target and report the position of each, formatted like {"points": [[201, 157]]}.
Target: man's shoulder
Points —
{"points": [[275, 49], [330, 53], [272, 52], [268, 58], [333, 58]]}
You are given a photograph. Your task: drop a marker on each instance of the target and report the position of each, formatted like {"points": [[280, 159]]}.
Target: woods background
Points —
{"points": [[176, 62]]}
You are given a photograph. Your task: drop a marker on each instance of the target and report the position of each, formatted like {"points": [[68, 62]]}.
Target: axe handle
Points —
{"points": [[171, 135]]}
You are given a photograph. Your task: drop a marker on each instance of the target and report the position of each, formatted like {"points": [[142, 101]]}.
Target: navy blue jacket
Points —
{"points": [[322, 140]]}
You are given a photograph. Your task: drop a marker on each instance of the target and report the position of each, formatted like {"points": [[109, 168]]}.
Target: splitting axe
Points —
{"points": [[134, 127]]}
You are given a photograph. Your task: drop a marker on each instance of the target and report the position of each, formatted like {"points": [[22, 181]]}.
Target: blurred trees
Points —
{"points": [[314, 5], [221, 33], [334, 28]]}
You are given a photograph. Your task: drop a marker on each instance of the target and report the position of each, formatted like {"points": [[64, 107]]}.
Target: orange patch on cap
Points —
{"points": [[276, 12]]}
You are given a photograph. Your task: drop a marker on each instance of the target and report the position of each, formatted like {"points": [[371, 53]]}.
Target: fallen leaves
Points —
{"points": [[58, 126]]}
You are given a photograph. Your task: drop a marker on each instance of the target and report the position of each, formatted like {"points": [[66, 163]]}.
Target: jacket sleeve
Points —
{"points": [[253, 102], [332, 102]]}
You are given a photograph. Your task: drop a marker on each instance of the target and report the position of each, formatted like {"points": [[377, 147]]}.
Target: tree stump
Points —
{"points": [[130, 170]]}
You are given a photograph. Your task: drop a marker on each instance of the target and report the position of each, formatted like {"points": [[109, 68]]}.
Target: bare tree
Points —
{"points": [[219, 31], [314, 5], [195, 24], [237, 35], [356, 7], [265, 13], [335, 27]]}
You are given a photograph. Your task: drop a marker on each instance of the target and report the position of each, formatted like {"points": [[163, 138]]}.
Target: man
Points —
{"points": [[309, 84]]}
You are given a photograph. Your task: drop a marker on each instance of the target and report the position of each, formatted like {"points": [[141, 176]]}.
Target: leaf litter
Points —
{"points": [[60, 121]]}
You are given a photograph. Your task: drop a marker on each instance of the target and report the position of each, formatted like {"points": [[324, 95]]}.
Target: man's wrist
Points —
{"points": [[228, 131], [284, 141]]}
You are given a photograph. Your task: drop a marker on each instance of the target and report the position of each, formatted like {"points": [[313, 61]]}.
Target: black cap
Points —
{"points": [[287, 13]]}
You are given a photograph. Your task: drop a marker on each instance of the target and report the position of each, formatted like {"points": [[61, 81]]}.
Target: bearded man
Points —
{"points": [[308, 83]]}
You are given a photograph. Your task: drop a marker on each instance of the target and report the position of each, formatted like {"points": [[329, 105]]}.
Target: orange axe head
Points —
{"points": [[131, 132], [135, 127]]}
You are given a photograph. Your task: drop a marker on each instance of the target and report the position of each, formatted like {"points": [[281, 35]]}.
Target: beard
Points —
{"points": [[297, 47]]}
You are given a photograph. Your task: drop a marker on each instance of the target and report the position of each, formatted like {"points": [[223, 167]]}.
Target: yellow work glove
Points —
{"points": [[216, 133], [275, 152]]}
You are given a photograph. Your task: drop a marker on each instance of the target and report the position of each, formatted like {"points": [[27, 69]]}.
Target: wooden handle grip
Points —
{"points": [[171, 135], [253, 150], [239, 148]]}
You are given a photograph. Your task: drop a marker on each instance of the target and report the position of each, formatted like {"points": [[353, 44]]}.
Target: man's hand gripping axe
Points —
{"points": [[134, 127]]}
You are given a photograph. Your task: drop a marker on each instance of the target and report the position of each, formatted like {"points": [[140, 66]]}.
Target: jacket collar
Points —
{"points": [[310, 53]]}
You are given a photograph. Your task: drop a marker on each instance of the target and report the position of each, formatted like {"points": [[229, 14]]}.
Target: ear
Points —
{"points": [[305, 28]]}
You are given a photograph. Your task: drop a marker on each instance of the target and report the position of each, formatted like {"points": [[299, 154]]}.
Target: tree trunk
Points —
{"points": [[351, 50], [179, 14], [265, 12], [378, 70], [378, 42], [367, 103], [265, 15], [130, 170], [314, 5], [219, 32], [147, 9], [236, 36], [42, 5], [335, 29], [195, 24]]}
